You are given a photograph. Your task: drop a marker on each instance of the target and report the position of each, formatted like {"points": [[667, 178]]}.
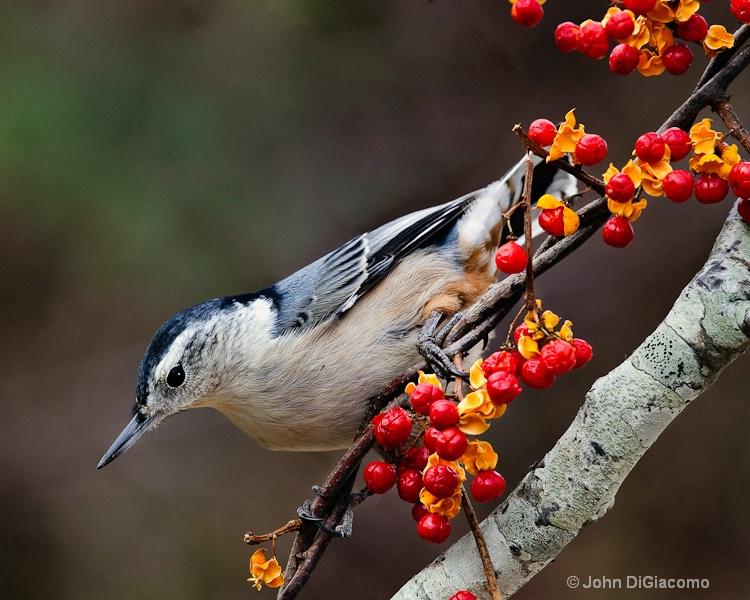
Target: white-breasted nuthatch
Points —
{"points": [[294, 365]]}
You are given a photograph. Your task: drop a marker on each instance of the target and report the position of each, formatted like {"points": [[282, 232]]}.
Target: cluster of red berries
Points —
{"points": [[551, 357]]}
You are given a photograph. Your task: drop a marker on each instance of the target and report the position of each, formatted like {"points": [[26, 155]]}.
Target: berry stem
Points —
{"points": [[736, 128], [484, 554], [530, 302]]}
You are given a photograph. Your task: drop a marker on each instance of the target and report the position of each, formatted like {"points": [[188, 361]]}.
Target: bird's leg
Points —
{"points": [[430, 341], [344, 527]]}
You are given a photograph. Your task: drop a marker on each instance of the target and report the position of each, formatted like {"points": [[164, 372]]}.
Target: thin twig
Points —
{"points": [[526, 201], [252, 538], [484, 553], [736, 128]]}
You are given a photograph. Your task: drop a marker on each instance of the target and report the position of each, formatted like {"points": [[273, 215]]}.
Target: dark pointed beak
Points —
{"points": [[135, 429]]}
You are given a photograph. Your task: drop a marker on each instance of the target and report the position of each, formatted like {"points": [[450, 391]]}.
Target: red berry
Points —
{"points": [[710, 188], [511, 258], [639, 7], [499, 361], [416, 458], [620, 187], [617, 232], [443, 414], [542, 131], [590, 149], [409, 485], [487, 485], [527, 12], [558, 356], [463, 595], [551, 220], [441, 481], [620, 25], [522, 329], [741, 10], [535, 374], [678, 185], [694, 29], [593, 40], [739, 179], [566, 37], [503, 387], [379, 476], [418, 511], [520, 360], [430, 438], [392, 428], [623, 60], [423, 396], [678, 141], [677, 59], [743, 207], [434, 528], [451, 443], [650, 147], [584, 352]]}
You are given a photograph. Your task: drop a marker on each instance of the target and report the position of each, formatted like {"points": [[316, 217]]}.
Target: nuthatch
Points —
{"points": [[293, 366]]}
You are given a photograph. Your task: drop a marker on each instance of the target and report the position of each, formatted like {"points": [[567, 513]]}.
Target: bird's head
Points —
{"points": [[181, 369]]}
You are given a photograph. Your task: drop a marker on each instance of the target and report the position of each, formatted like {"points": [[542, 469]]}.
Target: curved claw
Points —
{"points": [[306, 514]]}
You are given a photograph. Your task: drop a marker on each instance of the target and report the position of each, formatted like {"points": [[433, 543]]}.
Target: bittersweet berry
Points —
{"points": [[678, 141], [551, 220], [503, 387], [392, 428], [558, 356], [741, 10], [504, 360], [624, 59], [542, 131], [584, 352], [522, 329], [617, 232], [418, 511], [593, 41], [511, 258], [739, 179], [677, 59], [535, 374], [463, 595], [694, 29], [487, 486], [424, 395], [620, 25], [639, 7], [678, 185], [743, 207], [527, 12], [566, 37], [451, 443], [650, 147], [441, 481], [379, 476], [710, 188], [415, 458], [434, 528], [430, 438], [590, 149], [443, 414], [620, 187], [409, 485]]}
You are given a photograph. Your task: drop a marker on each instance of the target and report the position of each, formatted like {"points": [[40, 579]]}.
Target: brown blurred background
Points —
{"points": [[156, 153]]}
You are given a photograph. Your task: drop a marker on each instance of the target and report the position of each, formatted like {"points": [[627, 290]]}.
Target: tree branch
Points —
{"points": [[624, 413]]}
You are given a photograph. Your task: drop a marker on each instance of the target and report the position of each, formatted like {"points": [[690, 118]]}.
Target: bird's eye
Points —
{"points": [[176, 376]]}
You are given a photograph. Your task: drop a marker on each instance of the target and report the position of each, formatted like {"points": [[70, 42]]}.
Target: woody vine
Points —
{"points": [[428, 435]]}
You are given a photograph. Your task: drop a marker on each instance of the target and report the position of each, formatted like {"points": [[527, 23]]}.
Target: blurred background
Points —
{"points": [[156, 153]]}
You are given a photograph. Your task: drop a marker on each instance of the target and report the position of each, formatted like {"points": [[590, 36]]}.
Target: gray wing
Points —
{"points": [[331, 285]]}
